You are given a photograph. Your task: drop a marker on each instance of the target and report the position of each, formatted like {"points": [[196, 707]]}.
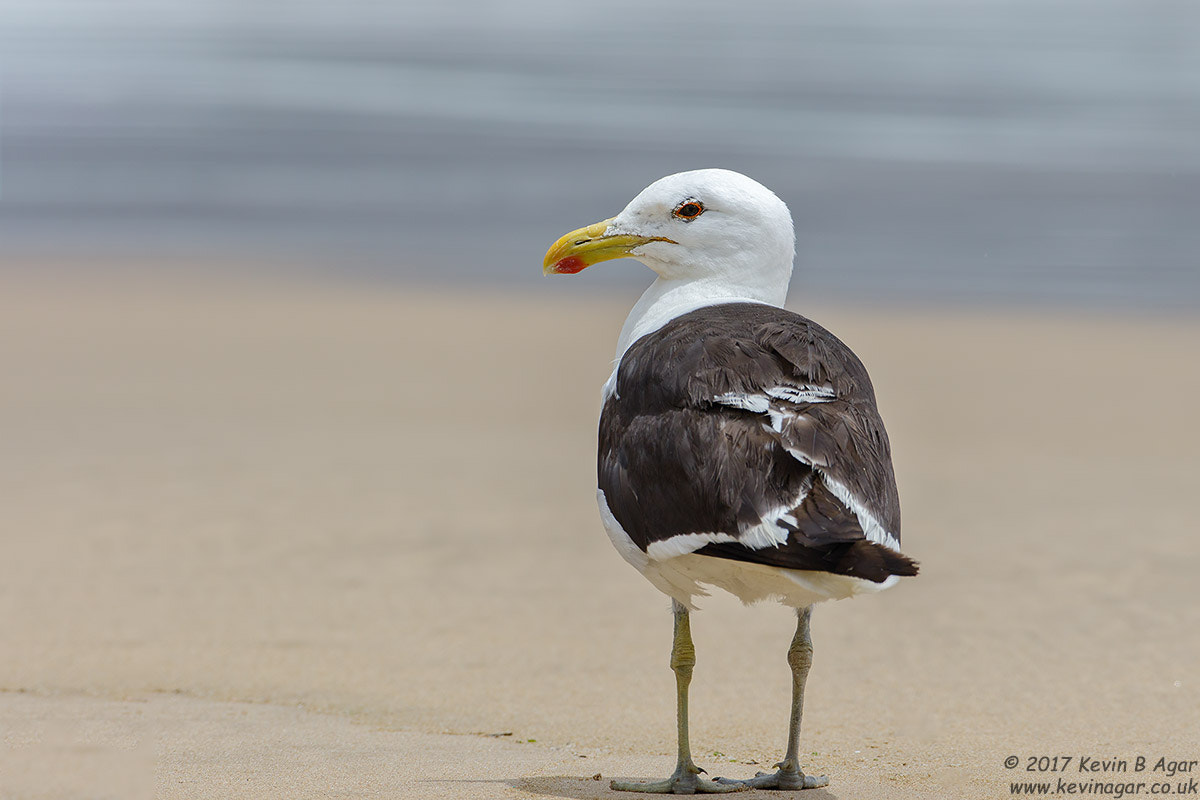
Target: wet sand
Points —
{"points": [[267, 540]]}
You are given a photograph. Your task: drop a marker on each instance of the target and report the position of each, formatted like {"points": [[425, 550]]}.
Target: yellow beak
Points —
{"points": [[581, 248]]}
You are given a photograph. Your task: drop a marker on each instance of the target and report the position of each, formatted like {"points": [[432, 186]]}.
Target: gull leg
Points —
{"points": [[686, 778], [788, 774]]}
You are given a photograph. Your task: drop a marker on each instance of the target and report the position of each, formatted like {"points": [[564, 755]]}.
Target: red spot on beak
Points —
{"points": [[570, 265]]}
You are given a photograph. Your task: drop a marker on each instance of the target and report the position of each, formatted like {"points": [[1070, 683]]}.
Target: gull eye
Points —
{"points": [[688, 210]]}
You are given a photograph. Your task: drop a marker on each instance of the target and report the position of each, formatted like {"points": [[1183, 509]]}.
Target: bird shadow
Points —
{"points": [[573, 786], [591, 788]]}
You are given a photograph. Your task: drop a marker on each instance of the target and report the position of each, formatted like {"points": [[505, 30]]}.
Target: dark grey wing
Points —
{"points": [[747, 432]]}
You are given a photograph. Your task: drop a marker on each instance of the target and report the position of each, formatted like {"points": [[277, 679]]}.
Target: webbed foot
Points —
{"points": [[685, 780], [787, 777]]}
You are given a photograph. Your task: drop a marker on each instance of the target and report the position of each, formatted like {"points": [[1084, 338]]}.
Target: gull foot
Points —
{"points": [[787, 777], [686, 780]]}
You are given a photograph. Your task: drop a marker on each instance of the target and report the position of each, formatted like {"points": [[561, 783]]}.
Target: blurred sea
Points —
{"points": [[1007, 150]]}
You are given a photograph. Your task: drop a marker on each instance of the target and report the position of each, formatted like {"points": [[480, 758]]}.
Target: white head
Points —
{"points": [[710, 226]]}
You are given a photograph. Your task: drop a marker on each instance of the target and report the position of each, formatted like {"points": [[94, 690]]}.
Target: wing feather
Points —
{"points": [[748, 432]]}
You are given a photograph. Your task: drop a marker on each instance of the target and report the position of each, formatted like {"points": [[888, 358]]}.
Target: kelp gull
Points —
{"points": [[739, 443]]}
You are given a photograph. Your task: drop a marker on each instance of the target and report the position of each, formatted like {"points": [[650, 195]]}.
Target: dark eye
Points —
{"points": [[688, 210]]}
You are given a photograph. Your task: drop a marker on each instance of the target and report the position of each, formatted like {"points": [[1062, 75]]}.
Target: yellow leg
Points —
{"points": [[686, 778], [788, 774]]}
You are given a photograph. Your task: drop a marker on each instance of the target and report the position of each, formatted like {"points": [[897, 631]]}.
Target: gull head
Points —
{"points": [[710, 225]]}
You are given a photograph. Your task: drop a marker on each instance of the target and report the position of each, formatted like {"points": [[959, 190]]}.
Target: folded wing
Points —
{"points": [[750, 433]]}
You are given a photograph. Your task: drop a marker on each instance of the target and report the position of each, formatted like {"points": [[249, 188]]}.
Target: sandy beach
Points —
{"points": [[269, 539]]}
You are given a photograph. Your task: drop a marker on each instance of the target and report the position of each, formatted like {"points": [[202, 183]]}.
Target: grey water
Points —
{"points": [[1006, 150]]}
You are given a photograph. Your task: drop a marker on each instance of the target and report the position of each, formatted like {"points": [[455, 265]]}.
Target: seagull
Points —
{"points": [[739, 444]]}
